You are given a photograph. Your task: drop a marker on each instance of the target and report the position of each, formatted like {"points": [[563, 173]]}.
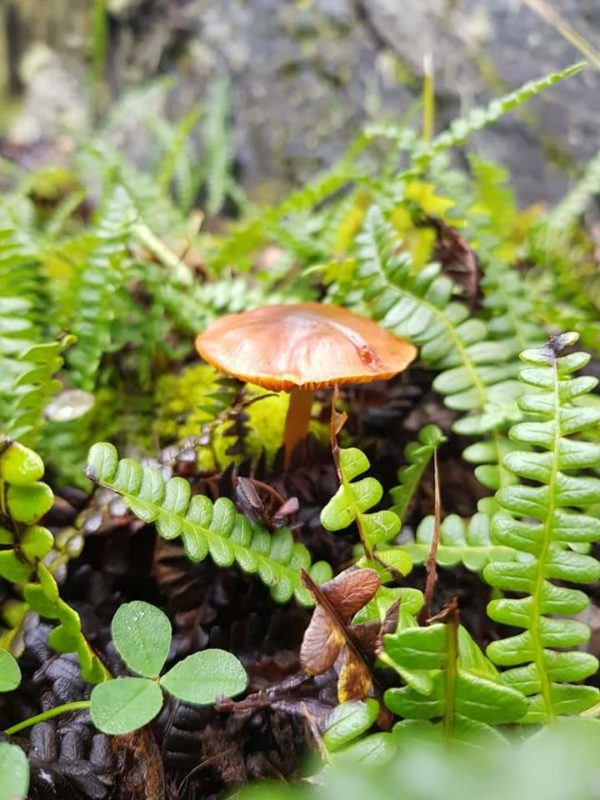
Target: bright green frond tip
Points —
{"points": [[544, 520], [354, 498], [207, 528]]}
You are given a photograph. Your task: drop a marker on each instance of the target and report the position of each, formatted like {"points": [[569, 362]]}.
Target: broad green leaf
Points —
{"points": [[203, 677], [10, 674], [348, 721], [418, 648], [142, 635], [14, 772], [376, 750], [124, 704]]}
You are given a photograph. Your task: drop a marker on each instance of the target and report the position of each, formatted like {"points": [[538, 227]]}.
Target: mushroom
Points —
{"points": [[299, 348]]}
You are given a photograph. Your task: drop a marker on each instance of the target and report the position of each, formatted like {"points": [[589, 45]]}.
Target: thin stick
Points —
{"points": [[435, 541]]}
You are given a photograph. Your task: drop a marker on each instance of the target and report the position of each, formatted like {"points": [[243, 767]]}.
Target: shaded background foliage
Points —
{"points": [[326, 67]]}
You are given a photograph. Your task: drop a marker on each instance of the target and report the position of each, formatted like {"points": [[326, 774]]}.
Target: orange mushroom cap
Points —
{"points": [[306, 346]]}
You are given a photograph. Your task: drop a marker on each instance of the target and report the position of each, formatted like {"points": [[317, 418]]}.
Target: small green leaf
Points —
{"points": [[12, 568], [376, 750], [142, 635], [10, 674], [203, 677], [36, 542], [125, 704], [340, 511], [14, 772], [102, 462], [348, 721], [28, 503], [353, 462], [20, 465]]}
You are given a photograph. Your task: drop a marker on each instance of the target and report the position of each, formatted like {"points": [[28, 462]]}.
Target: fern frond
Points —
{"points": [[418, 455], [247, 237], [113, 171], [544, 519], [207, 528], [20, 279], [479, 118], [462, 541], [477, 375], [353, 499], [568, 211], [176, 161], [447, 676], [218, 151], [98, 282], [33, 389]]}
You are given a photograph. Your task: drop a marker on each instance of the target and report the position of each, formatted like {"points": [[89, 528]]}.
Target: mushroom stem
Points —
{"points": [[296, 422]]}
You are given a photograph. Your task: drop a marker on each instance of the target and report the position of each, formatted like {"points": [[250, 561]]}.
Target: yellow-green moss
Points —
{"points": [[180, 414]]}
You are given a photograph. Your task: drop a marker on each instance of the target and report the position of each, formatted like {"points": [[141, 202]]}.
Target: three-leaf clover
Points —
{"points": [[142, 635]]}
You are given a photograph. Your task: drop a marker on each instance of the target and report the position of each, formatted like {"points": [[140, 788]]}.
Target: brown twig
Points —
{"points": [[431, 580]]}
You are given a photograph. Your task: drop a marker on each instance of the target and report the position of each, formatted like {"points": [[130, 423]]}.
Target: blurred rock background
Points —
{"points": [[305, 75]]}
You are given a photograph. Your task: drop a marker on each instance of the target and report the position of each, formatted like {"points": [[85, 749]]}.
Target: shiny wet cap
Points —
{"points": [[307, 345]]}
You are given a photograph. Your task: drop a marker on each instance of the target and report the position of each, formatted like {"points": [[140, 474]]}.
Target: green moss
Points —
{"points": [[181, 401]]}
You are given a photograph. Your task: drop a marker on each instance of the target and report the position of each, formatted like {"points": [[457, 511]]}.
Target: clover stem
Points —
{"points": [[67, 708], [297, 420]]}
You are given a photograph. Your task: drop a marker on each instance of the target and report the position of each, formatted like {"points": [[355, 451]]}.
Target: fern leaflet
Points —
{"points": [[207, 528]]}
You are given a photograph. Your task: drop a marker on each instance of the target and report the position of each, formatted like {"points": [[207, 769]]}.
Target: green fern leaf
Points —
{"points": [[99, 281], [478, 374], [207, 528], [470, 686], [467, 542], [479, 118], [545, 521], [418, 454], [353, 499], [33, 389]]}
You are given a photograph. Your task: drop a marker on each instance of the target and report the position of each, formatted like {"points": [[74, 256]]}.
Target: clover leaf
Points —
{"points": [[10, 674], [142, 635], [14, 772]]}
